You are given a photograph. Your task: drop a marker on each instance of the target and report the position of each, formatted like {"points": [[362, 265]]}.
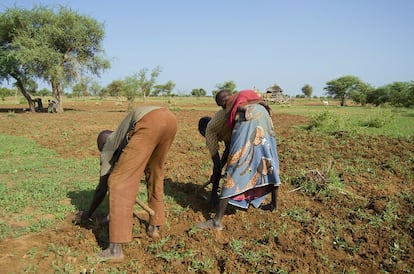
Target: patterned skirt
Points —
{"points": [[253, 164]]}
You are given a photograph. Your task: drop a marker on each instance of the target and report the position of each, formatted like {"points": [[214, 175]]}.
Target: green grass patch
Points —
{"points": [[38, 187], [300, 215], [374, 121]]}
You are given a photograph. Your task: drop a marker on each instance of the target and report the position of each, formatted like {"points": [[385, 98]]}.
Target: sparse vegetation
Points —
{"points": [[345, 204]]}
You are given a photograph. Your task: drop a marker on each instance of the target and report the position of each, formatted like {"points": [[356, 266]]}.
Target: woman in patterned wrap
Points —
{"points": [[253, 165]]}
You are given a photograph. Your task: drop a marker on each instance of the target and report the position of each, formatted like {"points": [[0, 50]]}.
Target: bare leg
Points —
{"points": [[113, 253], [218, 219], [214, 197], [273, 203], [274, 197]]}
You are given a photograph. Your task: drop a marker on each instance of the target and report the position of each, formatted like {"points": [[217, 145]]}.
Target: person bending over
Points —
{"points": [[252, 169], [215, 131], [139, 145]]}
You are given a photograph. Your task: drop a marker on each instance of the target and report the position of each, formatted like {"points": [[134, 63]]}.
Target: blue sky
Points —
{"points": [[199, 44]]}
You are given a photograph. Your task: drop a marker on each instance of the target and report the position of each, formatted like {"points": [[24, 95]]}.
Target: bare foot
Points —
{"points": [[152, 231], [209, 225], [269, 207], [112, 254]]}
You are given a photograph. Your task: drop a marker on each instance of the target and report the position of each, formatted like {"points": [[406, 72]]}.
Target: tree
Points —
{"points": [[396, 94], [198, 92], [229, 85], [131, 89], [378, 96], [10, 66], [410, 94], [307, 90], [360, 95], [115, 88], [145, 84], [53, 46], [340, 88], [43, 92], [139, 84], [4, 92], [95, 89], [80, 89], [399, 93], [165, 89]]}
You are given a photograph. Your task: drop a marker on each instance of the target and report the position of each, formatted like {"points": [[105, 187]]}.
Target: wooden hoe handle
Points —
{"points": [[145, 207]]}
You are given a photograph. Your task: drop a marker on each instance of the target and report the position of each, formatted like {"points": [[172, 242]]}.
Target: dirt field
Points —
{"points": [[366, 226]]}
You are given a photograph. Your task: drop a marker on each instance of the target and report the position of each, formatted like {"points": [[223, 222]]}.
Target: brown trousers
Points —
{"points": [[146, 151]]}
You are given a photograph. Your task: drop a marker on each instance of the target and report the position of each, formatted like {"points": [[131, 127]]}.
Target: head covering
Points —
{"points": [[240, 99]]}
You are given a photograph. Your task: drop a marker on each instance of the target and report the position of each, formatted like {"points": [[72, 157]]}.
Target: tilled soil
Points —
{"points": [[363, 223]]}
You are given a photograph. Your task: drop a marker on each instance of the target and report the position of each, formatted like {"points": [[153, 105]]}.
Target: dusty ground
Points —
{"points": [[318, 233]]}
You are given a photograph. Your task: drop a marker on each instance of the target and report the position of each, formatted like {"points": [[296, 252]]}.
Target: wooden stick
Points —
{"points": [[293, 190], [145, 207]]}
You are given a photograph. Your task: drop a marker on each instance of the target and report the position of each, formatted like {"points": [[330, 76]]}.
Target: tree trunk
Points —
{"points": [[57, 93], [342, 101], [25, 94]]}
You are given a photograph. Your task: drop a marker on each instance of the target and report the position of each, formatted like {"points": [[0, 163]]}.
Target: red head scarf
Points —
{"points": [[240, 99]]}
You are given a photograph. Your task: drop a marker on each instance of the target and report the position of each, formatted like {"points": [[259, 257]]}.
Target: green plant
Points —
{"points": [[313, 182], [153, 248], [200, 266], [378, 119], [390, 215], [173, 255], [252, 257], [325, 120], [11, 113], [22, 101], [407, 196], [193, 230], [237, 246], [134, 265], [278, 270], [297, 214], [32, 252], [30, 268]]}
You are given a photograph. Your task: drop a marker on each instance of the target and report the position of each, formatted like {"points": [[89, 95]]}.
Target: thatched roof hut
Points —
{"points": [[274, 94]]}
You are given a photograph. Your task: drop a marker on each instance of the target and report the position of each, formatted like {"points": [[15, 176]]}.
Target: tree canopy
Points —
{"points": [[307, 90], [229, 85], [164, 89], [341, 88], [56, 46], [198, 92], [399, 94], [114, 88], [147, 82], [140, 84]]}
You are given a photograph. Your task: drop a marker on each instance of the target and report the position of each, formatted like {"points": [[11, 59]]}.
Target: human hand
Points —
{"points": [[80, 218]]}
